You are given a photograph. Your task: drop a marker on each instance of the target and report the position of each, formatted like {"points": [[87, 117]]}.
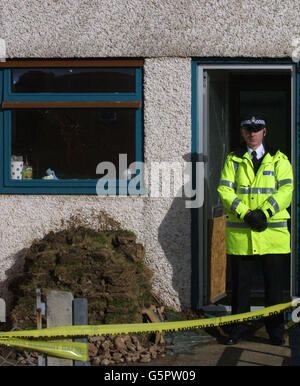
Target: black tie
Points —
{"points": [[256, 162]]}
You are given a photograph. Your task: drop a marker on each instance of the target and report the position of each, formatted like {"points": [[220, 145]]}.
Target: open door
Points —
{"points": [[224, 93], [216, 143]]}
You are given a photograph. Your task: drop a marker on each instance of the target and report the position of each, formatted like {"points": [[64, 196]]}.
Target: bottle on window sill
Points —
{"points": [[27, 172]]}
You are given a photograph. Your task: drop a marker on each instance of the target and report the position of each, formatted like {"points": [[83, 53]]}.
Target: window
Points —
{"points": [[60, 119]]}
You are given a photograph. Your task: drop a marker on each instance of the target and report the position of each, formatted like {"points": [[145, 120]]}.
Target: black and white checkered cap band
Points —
{"points": [[253, 122]]}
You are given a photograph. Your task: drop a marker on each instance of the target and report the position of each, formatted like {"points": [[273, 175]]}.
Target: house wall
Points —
{"points": [[161, 224], [167, 34], [149, 28]]}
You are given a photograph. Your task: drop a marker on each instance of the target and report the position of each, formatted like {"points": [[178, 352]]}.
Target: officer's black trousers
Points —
{"points": [[242, 270]]}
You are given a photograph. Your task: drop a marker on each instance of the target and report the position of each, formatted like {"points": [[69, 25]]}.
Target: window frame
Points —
{"points": [[11, 101]]}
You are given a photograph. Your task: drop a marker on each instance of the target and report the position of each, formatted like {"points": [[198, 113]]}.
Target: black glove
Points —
{"points": [[256, 220]]}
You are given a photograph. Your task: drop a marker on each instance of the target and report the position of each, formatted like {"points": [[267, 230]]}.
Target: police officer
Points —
{"points": [[256, 189]]}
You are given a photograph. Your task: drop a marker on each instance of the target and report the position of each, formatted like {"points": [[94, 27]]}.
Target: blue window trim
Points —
{"points": [[39, 186]]}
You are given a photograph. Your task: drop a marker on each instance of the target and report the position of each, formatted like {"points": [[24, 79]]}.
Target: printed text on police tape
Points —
{"points": [[296, 311]]}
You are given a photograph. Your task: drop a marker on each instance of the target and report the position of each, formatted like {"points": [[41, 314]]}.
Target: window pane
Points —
{"points": [[72, 80], [72, 141]]}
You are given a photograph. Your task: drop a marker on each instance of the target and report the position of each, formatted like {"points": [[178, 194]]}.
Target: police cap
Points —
{"points": [[254, 122]]}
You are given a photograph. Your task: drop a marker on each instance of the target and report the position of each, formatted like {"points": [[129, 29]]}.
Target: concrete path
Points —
{"points": [[253, 352], [243, 354]]}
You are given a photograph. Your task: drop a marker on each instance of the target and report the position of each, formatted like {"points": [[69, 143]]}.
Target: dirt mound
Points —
{"points": [[106, 267]]}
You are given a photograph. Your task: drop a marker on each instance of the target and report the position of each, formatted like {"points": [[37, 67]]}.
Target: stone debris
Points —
{"points": [[115, 350]]}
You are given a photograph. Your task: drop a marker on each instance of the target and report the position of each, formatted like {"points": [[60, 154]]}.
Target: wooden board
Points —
{"points": [[70, 62], [217, 258]]}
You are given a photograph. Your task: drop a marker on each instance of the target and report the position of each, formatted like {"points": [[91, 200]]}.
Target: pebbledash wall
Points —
{"points": [[167, 34]]}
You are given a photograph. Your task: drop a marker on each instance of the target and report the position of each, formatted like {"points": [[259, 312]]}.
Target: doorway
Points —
{"points": [[225, 93]]}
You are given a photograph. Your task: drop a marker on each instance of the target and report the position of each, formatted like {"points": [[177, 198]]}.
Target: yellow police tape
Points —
{"points": [[62, 349], [78, 351]]}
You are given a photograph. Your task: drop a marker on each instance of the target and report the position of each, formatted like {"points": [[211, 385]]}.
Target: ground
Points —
{"points": [[255, 351], [107, 268]]}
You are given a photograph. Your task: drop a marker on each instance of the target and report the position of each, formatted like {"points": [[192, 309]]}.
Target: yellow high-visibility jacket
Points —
{"points": [[270, 190]]}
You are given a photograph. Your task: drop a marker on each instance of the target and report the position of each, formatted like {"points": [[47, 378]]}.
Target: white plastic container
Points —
{"points": [[16, 170]]}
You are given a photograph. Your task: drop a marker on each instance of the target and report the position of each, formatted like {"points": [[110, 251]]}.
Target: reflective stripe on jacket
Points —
{"points": [[270, 190]]}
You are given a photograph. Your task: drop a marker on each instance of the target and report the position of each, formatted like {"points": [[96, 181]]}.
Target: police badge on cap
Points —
{"points": [[253, 122]]}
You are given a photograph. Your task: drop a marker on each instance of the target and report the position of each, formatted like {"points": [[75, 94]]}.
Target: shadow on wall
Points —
{"points": [[174, 236], [16, 269]]}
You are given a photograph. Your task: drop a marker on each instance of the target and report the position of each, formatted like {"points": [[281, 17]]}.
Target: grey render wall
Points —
{"points": [[167, 33], [148, 28]]}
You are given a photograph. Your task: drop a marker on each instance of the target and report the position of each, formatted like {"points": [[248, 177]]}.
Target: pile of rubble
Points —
{"points": [[120, 349], [105, 267]]}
